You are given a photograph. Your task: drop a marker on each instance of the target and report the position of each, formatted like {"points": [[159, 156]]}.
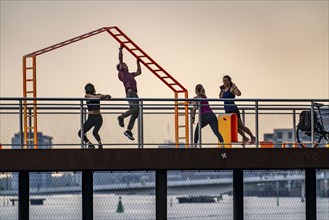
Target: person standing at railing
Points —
{"points": [[230, 90], [207, 115], [95, 118], [130, 84]]}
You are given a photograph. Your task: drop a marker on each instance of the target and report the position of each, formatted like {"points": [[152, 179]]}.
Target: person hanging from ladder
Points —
{"points": [[207, 115], [94, 115], [130, 85]]}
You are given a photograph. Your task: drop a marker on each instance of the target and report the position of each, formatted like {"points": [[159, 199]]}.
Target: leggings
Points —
{"points": [[95, 121], [208, 119]]}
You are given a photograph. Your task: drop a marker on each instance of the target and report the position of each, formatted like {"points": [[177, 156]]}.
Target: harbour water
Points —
{"points": [[142, 207]]}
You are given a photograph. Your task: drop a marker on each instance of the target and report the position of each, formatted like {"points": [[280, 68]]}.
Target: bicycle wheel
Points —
{"points": [[304, 138]]}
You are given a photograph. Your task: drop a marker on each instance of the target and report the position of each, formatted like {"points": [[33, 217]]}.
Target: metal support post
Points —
{"points": [[310, 192], [81, 123], [141, 125], [23, 195], [161, 194], [21, 135], [191, 130], [200, 120], [238, 194], [87, 195], [312, 123], [257, 124]]}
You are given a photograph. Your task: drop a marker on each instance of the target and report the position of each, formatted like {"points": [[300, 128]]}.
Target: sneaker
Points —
{"points": [[120, 121], [91, 146], [100, 146], [129, 134], [253, 140]]}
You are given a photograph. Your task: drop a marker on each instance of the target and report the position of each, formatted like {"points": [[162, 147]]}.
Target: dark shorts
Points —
{"points": [[236, 111]]}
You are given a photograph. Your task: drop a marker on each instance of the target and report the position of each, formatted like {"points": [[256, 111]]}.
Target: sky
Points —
{"points": [[271, 49]]}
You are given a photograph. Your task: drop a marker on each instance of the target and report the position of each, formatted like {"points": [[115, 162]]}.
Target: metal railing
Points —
{"points": [[254, 110]]}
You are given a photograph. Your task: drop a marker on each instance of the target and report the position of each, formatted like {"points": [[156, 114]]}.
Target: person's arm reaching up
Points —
{"points": [[139, 69]]}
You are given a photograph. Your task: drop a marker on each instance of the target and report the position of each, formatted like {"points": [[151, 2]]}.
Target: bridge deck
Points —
{"points": [[167, 159]]}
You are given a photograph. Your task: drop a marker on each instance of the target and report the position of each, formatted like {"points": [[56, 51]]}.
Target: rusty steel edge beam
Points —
{"points": [[167, 159]]}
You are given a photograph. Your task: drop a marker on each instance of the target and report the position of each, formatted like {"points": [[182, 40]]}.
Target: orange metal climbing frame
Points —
{"points": [[30, 109]]}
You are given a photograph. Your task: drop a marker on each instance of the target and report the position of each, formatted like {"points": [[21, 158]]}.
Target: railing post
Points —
{"points": [[87, 195], [21, 135], [161, 194], [243, 116], [191, 130], [310, 192], [23, 195], [81, 123], [141, 125], [257, 124], [294, 126], [312, 123], [200, 120], [30, 130], [238, 194]]}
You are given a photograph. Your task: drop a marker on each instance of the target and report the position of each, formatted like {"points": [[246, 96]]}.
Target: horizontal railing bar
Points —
{"points": [[170, 99]]}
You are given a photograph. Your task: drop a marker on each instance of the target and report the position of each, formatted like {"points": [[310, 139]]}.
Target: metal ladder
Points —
{"points": [[181, 108], [29, 107]]}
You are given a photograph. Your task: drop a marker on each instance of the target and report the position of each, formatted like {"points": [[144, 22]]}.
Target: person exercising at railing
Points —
{"points": [[130, 85], [207, 115], [230, 90], [94, 115]]}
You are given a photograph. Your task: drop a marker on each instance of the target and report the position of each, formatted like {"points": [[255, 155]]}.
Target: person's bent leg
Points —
{"points": [[134, 111], [247, 130], [214, 128], [134, 116], [86, 127], [98, 125], [196, 134], [130, 94], [132, 104]]}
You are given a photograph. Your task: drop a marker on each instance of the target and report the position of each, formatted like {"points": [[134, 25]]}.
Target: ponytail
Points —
{"points": [[199, 88]]}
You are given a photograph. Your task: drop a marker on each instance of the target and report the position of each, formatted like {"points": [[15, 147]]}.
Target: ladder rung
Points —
{"points": [[172, 84], [29, 80], [29, 68], [30, 127], [149, 63], [181, 114], [158, 71], [180, 138], [165, 77], [117, 34], [141, 56], [134, 49], [181, 103], [125, 42], [29, 91], [182, 126]]}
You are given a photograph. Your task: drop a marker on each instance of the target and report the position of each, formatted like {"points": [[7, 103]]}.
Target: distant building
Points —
{"points": [[280, 136], [44, 141], [171, 144], [37, 180]]}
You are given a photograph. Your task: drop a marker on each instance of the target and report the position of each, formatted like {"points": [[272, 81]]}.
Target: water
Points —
{"points": [[142, 207]]}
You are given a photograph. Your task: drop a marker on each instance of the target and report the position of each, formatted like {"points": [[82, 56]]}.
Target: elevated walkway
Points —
{"points": [[162, 159]]}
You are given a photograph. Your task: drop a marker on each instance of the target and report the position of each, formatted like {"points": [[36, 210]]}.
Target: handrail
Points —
{"points": [[160, 106], [168, 99]]}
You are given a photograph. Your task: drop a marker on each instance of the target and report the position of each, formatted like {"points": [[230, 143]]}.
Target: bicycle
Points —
{"points": [[319, 132]]}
